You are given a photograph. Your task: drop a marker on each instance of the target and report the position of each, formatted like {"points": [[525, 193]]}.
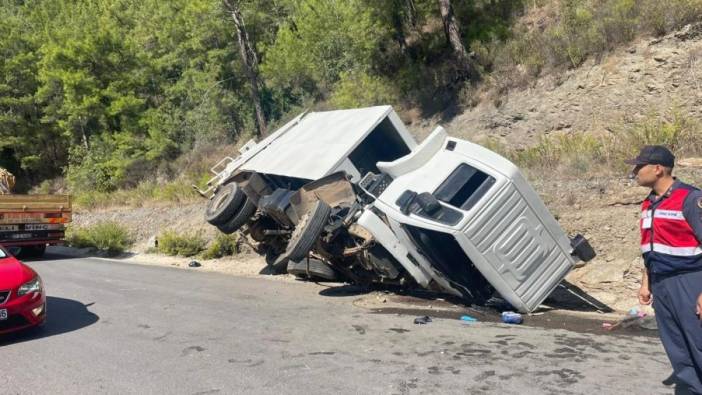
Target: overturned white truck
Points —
{"points": [[350, 194]]}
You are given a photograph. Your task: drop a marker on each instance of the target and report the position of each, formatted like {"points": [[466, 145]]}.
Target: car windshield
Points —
{"points": [[3, 254]]}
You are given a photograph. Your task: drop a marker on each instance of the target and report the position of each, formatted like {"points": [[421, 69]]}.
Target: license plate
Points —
{"points": [[3, 314], [32, 227]]}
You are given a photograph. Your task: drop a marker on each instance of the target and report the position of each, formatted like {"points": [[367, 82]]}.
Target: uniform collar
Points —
{"points": [[654, 198]]}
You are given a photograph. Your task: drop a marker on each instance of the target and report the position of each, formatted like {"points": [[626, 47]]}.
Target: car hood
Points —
{"points": [[13, 273]]}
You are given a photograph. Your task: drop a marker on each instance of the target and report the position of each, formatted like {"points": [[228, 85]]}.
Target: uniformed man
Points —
{"points": [[671, 244]]}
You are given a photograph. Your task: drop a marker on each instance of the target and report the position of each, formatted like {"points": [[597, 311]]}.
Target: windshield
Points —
{"points": [[3, 254]]}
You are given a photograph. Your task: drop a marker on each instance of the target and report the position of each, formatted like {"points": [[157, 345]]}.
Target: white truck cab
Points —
{"points": [[487, 216], [452, 215]]}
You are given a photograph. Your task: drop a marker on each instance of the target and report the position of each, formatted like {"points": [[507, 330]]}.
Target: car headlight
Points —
{"points": [[34, 285]]}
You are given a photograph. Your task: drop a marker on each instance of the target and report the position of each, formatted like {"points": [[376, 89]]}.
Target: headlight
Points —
{"points": [[33, 285]]}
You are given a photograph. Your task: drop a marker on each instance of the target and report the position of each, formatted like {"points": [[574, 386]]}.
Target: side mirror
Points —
{"points": [[582, 248], [405, 201], [428, 203]]}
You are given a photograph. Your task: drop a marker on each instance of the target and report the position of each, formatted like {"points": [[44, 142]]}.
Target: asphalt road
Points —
{"points": [[130, 329]]}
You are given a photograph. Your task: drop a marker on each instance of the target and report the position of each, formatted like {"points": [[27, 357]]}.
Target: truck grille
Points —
{"points": [[510, 235]]}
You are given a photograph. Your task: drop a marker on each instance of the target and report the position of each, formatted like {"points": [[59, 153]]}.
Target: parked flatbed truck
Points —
{"points": [[28, 223]]}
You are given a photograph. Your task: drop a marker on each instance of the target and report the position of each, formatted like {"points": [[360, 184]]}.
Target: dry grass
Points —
{"points": [[582, 155], [557, 34], [145, 193]]}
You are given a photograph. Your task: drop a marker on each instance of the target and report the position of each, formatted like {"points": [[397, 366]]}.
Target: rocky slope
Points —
{"points": [[650, 76]]}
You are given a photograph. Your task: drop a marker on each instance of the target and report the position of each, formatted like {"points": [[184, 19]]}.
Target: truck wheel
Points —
{"points": [[37, 251], [31, 251], [311, 268], [276, 261], [224, 204], [308, 229], [246, 211]]}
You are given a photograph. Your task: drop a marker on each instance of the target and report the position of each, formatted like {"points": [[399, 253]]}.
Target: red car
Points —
{"points": [[22, 297]]}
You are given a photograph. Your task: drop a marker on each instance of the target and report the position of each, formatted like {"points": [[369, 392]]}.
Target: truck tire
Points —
{"points": [[308, 229], [37, 251], [24, 252], [311, 268], [246, 211], [224, 204]]}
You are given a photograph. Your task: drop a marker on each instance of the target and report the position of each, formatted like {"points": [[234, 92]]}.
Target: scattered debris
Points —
{"points": [[468, 319], [194, 264], [422, 320], [510, 317], [635, 316]]}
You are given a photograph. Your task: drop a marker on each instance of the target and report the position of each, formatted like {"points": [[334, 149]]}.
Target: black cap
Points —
{"points": [[653, 155]]}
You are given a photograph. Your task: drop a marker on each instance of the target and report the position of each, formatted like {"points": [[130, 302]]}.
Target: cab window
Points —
{"points": [[464, 187]]}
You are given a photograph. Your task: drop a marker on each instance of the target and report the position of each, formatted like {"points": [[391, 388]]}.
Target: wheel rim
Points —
{"points": [[220, 200], [301, 225]]}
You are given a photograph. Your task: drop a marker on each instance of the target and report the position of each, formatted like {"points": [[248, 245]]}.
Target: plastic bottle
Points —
{"points": [[510, 317]]}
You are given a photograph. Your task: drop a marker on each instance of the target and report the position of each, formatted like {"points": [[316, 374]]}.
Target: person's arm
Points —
{"points": [[645, 296], [692, 211]]}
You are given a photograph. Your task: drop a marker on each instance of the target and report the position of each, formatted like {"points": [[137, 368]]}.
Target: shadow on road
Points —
{"points": [[63, 316], [345, 290], [570, 297], [57, 253], [565, 297]]}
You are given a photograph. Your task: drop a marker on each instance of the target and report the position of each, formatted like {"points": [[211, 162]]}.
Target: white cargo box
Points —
{"points": [[317, 144]]}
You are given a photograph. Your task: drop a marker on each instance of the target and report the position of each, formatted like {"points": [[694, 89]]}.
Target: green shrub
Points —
{"points": [[189, 244], [223, 245], [680, 133], [109, 237], [179, 191], [356, 89]]}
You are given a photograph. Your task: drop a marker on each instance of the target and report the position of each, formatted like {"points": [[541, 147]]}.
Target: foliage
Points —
{"points": [[147, 192], [186, 244], [362, 90], [109, 94], [109, 237], [577, 154], [577, 29], [223, 245]]}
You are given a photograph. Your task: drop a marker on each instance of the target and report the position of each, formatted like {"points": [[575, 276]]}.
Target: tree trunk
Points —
{"points": [[398, 25], [411, 13], [453, 34], [250, 60]]}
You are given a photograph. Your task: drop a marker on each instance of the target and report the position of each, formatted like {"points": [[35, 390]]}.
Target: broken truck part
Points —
{"points": [[353, 190]]}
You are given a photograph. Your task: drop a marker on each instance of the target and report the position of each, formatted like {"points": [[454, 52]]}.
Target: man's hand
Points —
{"points": [[699, 307], [646, 298]]}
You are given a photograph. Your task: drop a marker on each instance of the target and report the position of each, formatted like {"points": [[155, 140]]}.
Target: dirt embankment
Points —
{"points": [[650, 76]]}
